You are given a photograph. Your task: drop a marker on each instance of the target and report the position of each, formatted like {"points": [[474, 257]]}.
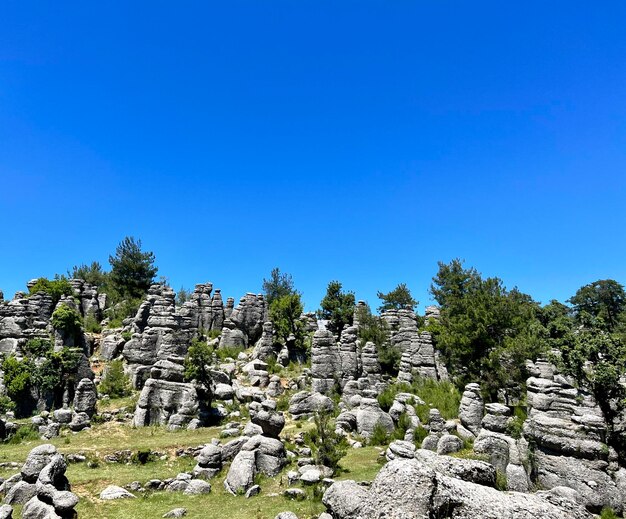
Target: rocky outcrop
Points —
{"points": [[567, 431], [471, 409], [409, 488], [24, 318], [325, 362], [306, 403], [249, 316], [42, 486], [266, 347], [85, 397]]}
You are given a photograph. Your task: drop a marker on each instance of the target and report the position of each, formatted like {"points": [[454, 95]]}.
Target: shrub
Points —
{"points": [[440, 394], [127, 336], [379, 435], [608, 513], [37, 347], [403, 425], [142, 456], [6, 404], [227, 352], [418, 436], [67, 319], [501, 482], [386, 398], [25, 433], [92, 325], [122, 310], [56, 288], [115, 383], [328, 447], [516, 424]]}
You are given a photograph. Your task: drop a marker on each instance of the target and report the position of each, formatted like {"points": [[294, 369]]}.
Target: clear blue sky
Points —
{"points": [[359, 141]]}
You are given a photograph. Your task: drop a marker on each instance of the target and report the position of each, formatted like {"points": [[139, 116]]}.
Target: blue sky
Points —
{"points": [[359, 141]]}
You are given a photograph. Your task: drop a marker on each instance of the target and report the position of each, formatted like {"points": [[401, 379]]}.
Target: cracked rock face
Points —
{"points": [[408, 488], [568, 432]]}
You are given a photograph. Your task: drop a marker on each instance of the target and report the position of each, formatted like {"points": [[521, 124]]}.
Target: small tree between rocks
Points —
{"points": [[328, 447]]}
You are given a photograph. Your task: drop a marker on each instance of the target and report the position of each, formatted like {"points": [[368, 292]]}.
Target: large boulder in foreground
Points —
{"points": [[409, 489]]}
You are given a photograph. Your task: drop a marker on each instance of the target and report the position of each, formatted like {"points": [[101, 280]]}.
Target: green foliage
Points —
{"points": [[486, 331], [121, 310], [24, 378], [403, 425], [197, 366], [56, 288], [604, 301], [277, 286], [516, 425], [67, 319], [92, 274], [608, 513], [26, 433], [115, 383], [328, 447], [56, 369], [418, 436], [379, 435], [92, 325], [18, 379], [374, 329], [387, 396], [501, 481], [127, 335], [182, 296], [6, 404], [227, 352], [399, 298], [132, 270], [142, 456], [439, 394], [285, 312], [37, 347], [337, 307]]}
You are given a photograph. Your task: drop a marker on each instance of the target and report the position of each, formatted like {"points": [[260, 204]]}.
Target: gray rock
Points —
{"points": [[79, 422], [176, 513], [114, 492], [369, 415], [286, 515], [241, 473], [400, 449], [197, 487], [36, 509], [325, 362], [271, 422], [85, 397], [36, 460], [20, 493], [6, 511], [408, 488], [448, 444], [254, 490], [345, 499], [224, 392], [472, 408], [306, 403]]}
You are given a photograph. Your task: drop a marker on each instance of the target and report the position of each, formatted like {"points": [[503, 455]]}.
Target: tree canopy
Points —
{"points": [[278, 285], [603, 300], [399, 298], [132, 270], [337, 307]]}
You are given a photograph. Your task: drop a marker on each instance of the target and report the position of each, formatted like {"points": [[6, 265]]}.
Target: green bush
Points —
{"points": [[127, 336], [608, 513], [379, 435], [328, 447], [56, 288], [6, 404], [228, 352], [516, 424], [25, 433], [115, 383], [122, 310], [386, 398], [37, 347], [67, 319], [439, 394], [403, 425], [92, 325], [142, 456], [501, 482], [418, 436]]}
